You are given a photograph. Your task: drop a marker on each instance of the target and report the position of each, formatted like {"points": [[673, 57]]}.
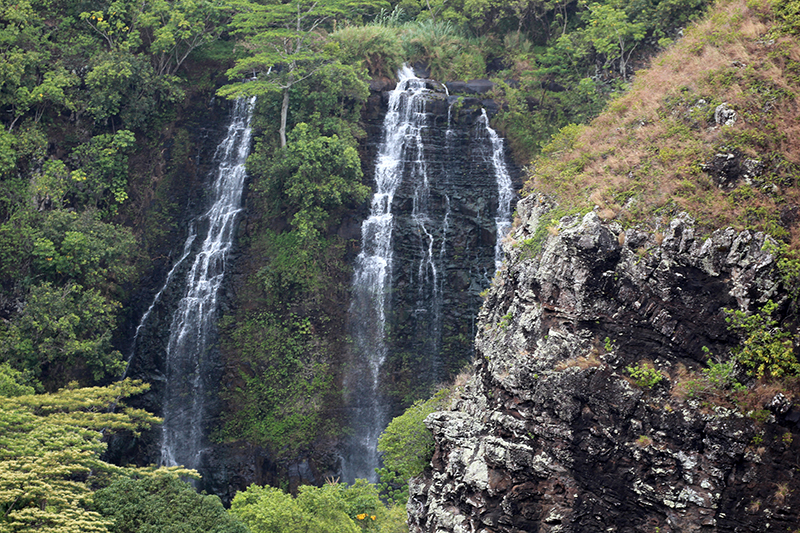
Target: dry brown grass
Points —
{"points": [[590, 360], [782, 490], [758, 396], [650, 143]]}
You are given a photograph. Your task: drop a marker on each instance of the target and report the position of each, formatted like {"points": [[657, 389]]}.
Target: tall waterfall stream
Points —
{"points": [[403, 161], [193, 323]]}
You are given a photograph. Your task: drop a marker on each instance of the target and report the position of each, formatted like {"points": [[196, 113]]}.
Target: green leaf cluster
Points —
{"points": [[767, 349], [407, 446], [645, 375], [50, 448], [718, 379], [334, 508], [71, 276], [162, 503]]}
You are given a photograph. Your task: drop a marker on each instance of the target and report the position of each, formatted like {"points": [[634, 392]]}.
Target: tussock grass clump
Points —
{"points": [[650, 153], [376, 47], [443, 46]]}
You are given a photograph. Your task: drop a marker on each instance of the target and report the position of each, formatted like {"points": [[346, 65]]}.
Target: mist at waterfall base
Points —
{"points": [[190, 359], [440, 209]]}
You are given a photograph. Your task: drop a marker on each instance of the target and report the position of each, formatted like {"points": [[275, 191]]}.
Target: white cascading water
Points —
{"points": [[400, 144], [505, 188], [183, 432], [402, 157], [187, 249]]}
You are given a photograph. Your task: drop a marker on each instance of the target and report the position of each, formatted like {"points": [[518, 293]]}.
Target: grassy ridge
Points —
{"points": [[648, 155]]}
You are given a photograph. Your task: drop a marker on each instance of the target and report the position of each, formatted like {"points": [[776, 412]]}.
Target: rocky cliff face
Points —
{"points": [[553, 435]]}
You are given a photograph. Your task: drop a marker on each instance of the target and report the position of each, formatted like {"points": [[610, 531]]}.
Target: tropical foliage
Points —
{"points": [[333, 507], [95, 149], [50, 453], [162, 503]]}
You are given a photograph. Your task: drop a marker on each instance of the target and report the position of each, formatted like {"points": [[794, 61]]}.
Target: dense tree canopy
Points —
{"points": [[162, 503], [50, 447], [289, 45]]}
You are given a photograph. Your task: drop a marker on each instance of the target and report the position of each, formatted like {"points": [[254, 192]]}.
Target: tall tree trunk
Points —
{"points": [[284, 113]]}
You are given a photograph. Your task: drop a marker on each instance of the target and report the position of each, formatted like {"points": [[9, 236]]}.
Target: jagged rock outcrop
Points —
{"points": [[553, 435]]}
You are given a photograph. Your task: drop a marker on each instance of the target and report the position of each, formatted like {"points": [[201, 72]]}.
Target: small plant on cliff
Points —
{"points": [[717, 380], [644, 375], [506, 320], [608, 344], [767, 349]]}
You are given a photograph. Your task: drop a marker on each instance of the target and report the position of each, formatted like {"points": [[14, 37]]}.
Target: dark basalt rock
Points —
{"points": [[552, 435], [470, 87], [461, 207], [729, 169]]}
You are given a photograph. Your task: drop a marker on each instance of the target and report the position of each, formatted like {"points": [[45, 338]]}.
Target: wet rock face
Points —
{"points": [[553, 435], [443, 239]]}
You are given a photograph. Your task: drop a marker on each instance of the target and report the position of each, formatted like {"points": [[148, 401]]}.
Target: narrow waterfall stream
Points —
{"points": [[401, 135], [193, 323], [505, 189], [406, 258]]}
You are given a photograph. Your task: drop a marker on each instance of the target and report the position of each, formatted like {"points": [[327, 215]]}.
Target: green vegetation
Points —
{"points": [[51, 448], [645, 375], [282, 344], [407, 446], [94, 148], [162, 503], [285, 36], [334, 507], [767, 349]]}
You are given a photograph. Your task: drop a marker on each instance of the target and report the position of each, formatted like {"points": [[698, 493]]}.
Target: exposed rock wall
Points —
{"points": [[552, 435], [431, 341]]}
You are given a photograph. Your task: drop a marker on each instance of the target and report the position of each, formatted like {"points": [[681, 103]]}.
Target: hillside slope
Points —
{"points": [[610, 390], [711, 128]]}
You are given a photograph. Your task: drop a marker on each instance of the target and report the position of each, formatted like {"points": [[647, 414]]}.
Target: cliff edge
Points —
{"points": [[558, 432]]}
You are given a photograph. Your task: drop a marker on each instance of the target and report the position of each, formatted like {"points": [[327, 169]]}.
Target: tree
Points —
{"points": [[50, 448], [62, 333], [177, 27], [162, 503], [612, 34], [332, 508], [289, 45], [319, 175], [407, 446]]}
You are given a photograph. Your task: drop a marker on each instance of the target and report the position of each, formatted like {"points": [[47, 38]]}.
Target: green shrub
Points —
{"points": [[444, 48], [332, 508], [767, 350], [407, 446], [375, 47], [165, 504], [645, 375]]}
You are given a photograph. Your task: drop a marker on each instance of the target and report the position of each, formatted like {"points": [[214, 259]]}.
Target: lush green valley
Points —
{"points": [[105, 107]]}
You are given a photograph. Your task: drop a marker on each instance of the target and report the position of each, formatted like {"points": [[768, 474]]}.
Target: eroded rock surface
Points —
{"points": [[553, 435]]}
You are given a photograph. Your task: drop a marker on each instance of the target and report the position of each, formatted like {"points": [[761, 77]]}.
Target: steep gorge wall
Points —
{"points": [[463, 183], [462, 204], [552, 434]]}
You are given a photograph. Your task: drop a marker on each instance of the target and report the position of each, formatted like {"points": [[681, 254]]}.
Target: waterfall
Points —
{"points": [[505, 189], [187, 249], [192, 328], [401, 145], [432, 222]]}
